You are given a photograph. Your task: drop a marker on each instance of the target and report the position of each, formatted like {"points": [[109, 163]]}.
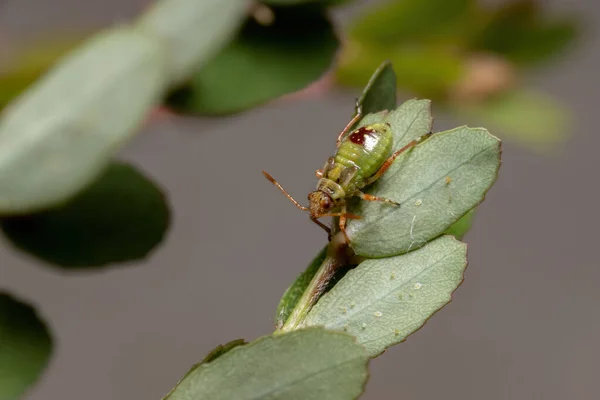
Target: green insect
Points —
{"points": [[362, 157]]}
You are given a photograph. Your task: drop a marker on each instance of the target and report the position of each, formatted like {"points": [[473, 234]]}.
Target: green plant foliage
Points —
{"points": [[192, 31], [312, 2], [380, 92], [426, 71], [294, 292], [431, 44], [303, 365], [25, 347], [29, 64], [413, 115], [62, 131], [532, 119], [121, 217], [460, 228], [222, 349], [264, 62], [519, 31], [381, 302], [436, 183], [409, 21], [409, 121]]}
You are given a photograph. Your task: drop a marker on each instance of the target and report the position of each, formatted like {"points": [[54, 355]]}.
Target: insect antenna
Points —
{"points": [[274, 182]]}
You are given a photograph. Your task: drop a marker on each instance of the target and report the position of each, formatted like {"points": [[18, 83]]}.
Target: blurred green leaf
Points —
{"points": [[409, 21], [191, 31], [30, 63], [263, 63], [532, 119], [296, 290], [59, 134], [382, 301], [427, 72], [120, 217], [25, 347], [460, 228], [296, 2], [380, 92], [300, 365], [519, 31], [454, 168]]}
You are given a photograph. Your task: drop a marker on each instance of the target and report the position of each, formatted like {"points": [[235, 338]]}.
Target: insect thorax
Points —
{"points": [[333, 189]]}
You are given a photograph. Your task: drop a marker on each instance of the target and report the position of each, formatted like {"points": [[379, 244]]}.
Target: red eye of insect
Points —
{"points": [[325, 202]]}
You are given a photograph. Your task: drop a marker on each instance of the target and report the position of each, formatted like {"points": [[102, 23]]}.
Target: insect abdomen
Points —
{"points": [[366, 148]]}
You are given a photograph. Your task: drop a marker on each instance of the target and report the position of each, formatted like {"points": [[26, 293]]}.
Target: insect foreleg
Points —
{"points": [[322, 225]]}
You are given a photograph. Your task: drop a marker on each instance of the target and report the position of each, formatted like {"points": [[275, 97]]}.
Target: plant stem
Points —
{"points": [[336, 258]]}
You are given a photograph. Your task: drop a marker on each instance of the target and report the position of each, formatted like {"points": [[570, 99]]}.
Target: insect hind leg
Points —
{"points": [[357, 116], [388, 163]]}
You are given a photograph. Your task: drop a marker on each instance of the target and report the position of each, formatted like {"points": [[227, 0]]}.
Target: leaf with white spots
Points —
{"points": [[436, 183], [383, 301], [305, 364]]}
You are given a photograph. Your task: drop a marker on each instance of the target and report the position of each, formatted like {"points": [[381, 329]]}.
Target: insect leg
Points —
{"points": [[274, 182], [370, 197], [347, 175], [388, 163], [343, 224], [328, 165], [343, 216], [322, 225], [346, 215], [358, 115]]}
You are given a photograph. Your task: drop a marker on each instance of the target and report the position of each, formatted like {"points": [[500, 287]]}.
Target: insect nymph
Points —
{"points": [[362, 157]]}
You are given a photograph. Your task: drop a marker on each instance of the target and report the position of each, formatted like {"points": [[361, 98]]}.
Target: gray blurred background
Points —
{"points": [[524, 325]]}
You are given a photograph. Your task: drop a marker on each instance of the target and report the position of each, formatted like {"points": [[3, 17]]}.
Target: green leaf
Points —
{"points": [[380, 92], [192, 31], [519, 31], [296, 2], [212, 356], [262, 63], [421, 70], [29, 64], [412, 21], [532, 119], [295, 290], [409, 121], [222, 349], [436, 183], [460, 228], [383, 301], [120, 217], [25, 347], [305, 364], [60, 134]]}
